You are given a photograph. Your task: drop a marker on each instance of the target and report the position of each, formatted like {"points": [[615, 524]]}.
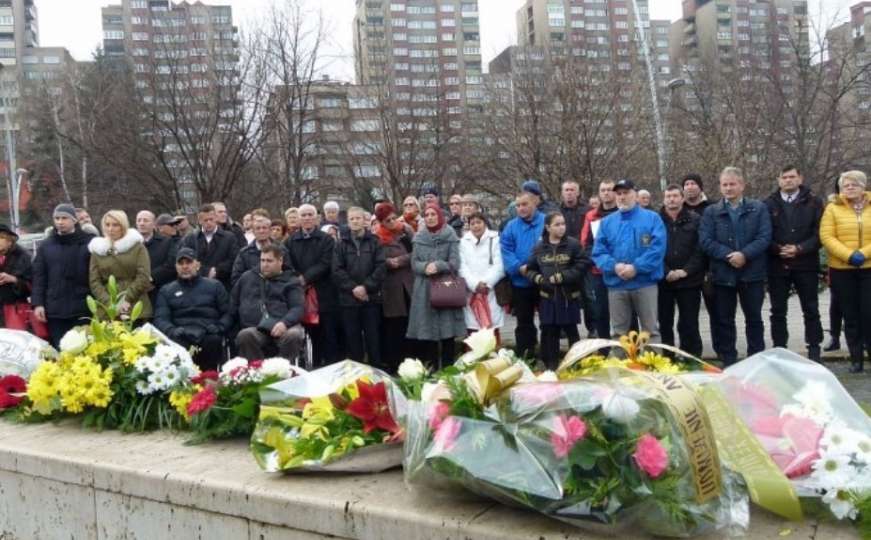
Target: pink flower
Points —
{"points": [[566, 432], [447, 433], [536, 394], [792, 442], [202, 401], [255, 364], [437, 413], [650, 456]]}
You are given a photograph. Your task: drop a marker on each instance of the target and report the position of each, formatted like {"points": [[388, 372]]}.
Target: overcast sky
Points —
{"points": [[75, 24]]}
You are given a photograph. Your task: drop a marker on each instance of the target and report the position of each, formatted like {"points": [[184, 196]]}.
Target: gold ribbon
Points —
{"points": [[693, 421], [741, 451], [491, 377]]}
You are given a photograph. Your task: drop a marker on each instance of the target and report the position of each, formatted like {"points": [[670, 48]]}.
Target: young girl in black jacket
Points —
{"points": [[557, 268]]}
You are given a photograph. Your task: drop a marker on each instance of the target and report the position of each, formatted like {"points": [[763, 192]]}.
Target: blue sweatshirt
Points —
{"points": [[636, 237]]}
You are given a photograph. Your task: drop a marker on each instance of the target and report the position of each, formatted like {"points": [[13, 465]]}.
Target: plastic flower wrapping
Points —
{"points": [[607, 452], [225, 404], [21, 352], [809, 426], [341, 417]]}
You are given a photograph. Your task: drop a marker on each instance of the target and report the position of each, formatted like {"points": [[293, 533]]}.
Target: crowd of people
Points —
{"points": [[409, 281]]}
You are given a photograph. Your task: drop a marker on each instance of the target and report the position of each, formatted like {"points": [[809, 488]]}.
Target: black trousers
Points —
{"points": [[588, 300], [603, 313], [211, 351], [395, 347], [428, 351], [709, 298], [836, 316], [58, 327], [751, 295], [853, 288], [550, 336], [524, 300], [325, 336], [806, 285], [363, 323], [689, 302]]}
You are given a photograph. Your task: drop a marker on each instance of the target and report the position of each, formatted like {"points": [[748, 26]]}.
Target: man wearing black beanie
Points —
{"points": [[695, 199]]}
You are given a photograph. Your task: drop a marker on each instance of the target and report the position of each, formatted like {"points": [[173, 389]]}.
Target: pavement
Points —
{"points": [[859, 385]]}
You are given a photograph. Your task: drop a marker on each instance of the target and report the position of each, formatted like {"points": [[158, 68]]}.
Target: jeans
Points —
{"points": [[550, 336], [689, 303], [256, 345], [524, 300], [625, 305], [751, 296], [361, 323], [806, 286], [601, 310], [853, 288]]}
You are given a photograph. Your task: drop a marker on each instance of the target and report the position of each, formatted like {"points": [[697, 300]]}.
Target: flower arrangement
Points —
{"points": [[225, 404], [115, 376], [638, 354], [339, 417], [12, 391], [808, 424], [606, 453]]}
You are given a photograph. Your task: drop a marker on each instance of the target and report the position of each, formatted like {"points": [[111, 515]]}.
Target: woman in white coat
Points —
{"points": [[481, 267]]}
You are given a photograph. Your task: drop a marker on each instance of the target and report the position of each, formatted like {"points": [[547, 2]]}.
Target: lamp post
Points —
{"points": [[16, 198]]}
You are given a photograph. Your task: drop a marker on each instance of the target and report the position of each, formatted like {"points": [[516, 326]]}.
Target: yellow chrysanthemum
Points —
{"points": [[42, 389], [180, 399]]}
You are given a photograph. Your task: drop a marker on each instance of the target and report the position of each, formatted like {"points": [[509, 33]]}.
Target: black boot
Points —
{"points": [[834, 345], [814, 354], [856, 360]]}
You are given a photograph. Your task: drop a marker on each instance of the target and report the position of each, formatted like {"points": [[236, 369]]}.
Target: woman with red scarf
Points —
{"points": [[411, 213], [395, 236], [436, 252]]}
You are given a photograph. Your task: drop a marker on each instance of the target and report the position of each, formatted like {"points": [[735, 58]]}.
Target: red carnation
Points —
{"points": [[255, 364], [372, 408], [202, 401], [10, 385], [205, 376]]}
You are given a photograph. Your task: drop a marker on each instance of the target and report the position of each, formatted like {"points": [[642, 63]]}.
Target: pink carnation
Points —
{"points": [[650, 456], [447, 433], [567, 430], [202, 401], [437, 414]]}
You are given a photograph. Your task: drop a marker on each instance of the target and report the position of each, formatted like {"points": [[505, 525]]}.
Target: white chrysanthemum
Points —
{"points": [[620, 408], [816, 398], [157, 381], [142, 388], [171, 375], [142, 364], [276, 367], [411, 369], [165, 353], [840, 440], [840, 504], [833, 471], [232, 364]]}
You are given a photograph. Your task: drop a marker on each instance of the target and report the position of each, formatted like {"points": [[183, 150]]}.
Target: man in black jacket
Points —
{"points": [[268, 303], [194, 311], [359, 269], [249, 256], [311, 255], [684, 273], [793, 258], [226, 223], [216, 249], [60, 275], [161, 252]]}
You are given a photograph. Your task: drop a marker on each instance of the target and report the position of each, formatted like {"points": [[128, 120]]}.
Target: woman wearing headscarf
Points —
{"points": [[411, 213], [436, 251], [16, 273], [120, 253], [395, 236]]}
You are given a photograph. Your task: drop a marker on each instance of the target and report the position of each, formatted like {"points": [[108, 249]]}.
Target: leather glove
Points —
{"points": [[857, 259]]}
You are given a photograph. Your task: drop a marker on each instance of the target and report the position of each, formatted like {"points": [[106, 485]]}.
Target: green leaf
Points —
{"points": [[136, 311], [246, 409], [92, 306], [112, 288]]}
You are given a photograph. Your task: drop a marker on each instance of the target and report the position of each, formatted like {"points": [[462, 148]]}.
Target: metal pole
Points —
{"points": [[20, 173], [657, 118], [10, 162]]}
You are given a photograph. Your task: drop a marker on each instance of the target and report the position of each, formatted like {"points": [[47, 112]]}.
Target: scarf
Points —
{"points": [[385, 235], [411, 219], [441, 215]]}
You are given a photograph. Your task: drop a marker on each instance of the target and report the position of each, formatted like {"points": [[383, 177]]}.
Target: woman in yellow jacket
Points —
{"points": [[845, 231]]}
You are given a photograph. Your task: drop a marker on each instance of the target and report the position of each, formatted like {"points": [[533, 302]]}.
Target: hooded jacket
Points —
{"points": [[280, 295], [61, 274], [796, 224], [636, 237], [517, 242], [127, 260], [842, 232]]}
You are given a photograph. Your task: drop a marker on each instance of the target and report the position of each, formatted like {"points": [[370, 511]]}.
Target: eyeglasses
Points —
{"points": [[406, 205]]}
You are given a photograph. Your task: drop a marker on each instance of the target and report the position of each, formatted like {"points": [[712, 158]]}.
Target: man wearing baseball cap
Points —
{"points": [[630, 251], [194, 311]]}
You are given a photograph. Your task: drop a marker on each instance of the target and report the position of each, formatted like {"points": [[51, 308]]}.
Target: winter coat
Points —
{"points": [[16, 263], [517, 241], [249, 259], [399, 282], [200, 303], [842, 232], [219, 254], [797, 224], [560, 304], [635, 237], [700, 208], [683, 251], [281, 295], [481, 262], [127, 260], [592, 221], [719, 238], [424, 321], [574, 216], [236, 230], [358, 263], [60, 275], [311, 256], [457, 224], [161, 254]]}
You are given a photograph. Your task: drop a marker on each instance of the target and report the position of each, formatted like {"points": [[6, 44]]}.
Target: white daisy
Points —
{"points": [[833, 470], [840, 504], [277, 367], [157, 381], [142, 388], [816, 398]]}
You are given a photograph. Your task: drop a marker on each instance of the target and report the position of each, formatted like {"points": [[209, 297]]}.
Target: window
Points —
{"points": [[361, 103], [423, 38], [425, 10], [399, 23], [198, 36], [447, 8], [471, 50], [221, 19], [426, 53], [399, 36], [140, 36], [397, 7], [198, 20], [449, 23], [332, 125], [371, 124], [449, 52], [422, 25], [310, 172], [400, 51], [452, 81], [400, 66], [51, 59], [25, 59], [363, 149], [107, 34], [367, 171], [139, 4], [451, 66], [6, 20], [330, 103]]}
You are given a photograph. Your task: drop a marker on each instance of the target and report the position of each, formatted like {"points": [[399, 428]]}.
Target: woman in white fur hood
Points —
{"points": [[120, 252]]}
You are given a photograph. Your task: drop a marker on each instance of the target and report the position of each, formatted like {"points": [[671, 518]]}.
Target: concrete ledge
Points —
{"points": [[63, 482]]}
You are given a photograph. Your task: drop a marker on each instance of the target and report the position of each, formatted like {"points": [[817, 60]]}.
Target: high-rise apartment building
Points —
{"points": [[849, 54], [742, 35], [19, 31], [184, 58]]}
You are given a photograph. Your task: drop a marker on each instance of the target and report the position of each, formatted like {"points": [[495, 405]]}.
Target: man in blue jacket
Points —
{"points": [[736, 234], [630, 252], [517, 240]]}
